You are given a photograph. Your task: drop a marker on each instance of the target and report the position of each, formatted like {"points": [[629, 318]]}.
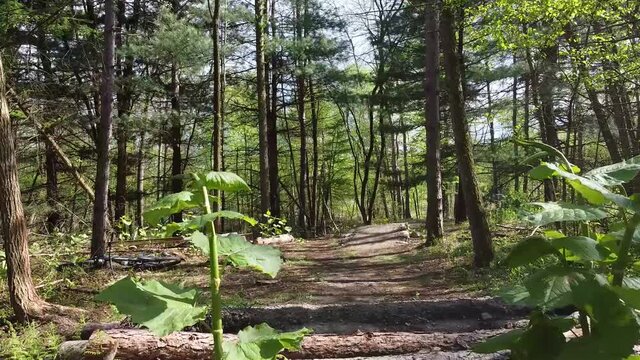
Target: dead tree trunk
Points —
{"points": [[142, 345]]}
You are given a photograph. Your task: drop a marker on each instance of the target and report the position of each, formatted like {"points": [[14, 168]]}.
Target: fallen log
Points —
{"points": [[141, 344], [274, 240]]}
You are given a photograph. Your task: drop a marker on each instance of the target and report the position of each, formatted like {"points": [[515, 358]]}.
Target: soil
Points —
{"points": [[374, 279]]}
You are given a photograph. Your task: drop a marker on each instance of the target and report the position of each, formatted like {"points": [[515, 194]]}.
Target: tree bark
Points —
{"points": [[480, 234], [603, 123], [25, 302], [22, 292], [261, 25], [51, 169], [100, 206], [300, 102], [514, 124], [432, 114], [217, 133], [125, 71], [142, 345], [272, 126], [140, 182], [313, 194], [545, 93], [407, 181]]}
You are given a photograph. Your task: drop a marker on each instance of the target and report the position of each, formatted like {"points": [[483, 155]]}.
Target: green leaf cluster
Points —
{"points": [[588, 273]]}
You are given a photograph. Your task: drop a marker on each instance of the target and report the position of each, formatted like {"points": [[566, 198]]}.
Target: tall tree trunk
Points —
{"points": [[603, 123], [261, 26], [140, 182], [100, 206], [480, 234], [51, 169], [525, 125], [300, 100], [175, 132], [492, 143], [313, 198], [125, 70], [432, 115], [407, 181], [216, 136], [548, 123], [22, 292], [514, 123], [176, 137], [272, 126]]}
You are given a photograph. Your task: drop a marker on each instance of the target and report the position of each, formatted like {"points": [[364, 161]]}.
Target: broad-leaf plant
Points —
{"points": [[166, 308], [592, 242]]}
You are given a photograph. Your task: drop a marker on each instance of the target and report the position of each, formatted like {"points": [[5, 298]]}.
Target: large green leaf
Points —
{"points": [[551, 287], [515, 295], [201, 241], [162, 308], [169, 205], [616, 174], [583, 247], [614, 327], [221, 180], [554, 212], [594, 192], [630, 291], [199, 222], [242, 253], [631, 297], [262, 342], [529, 250]]}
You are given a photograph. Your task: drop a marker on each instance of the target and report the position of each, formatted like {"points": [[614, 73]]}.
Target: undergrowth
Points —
{"points": [[30, 341]]}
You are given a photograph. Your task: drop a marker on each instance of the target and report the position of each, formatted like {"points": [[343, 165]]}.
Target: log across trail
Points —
{"points": [[133, 344], [371, 292]]}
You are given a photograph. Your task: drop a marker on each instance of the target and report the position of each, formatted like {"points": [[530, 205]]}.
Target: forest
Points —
{"points": [[309, 179]]}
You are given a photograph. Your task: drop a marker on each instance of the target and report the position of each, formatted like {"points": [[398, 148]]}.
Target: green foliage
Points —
{"points": [[166, 308], [262, 342], [273, 226], [529, 250], [162, 308], [588, 273], [169, 205], [241, 253], [556, 212], [221, 180], [32, 341]]}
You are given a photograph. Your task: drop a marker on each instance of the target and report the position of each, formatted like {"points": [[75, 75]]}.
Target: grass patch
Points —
{"points": [[29, 342]]}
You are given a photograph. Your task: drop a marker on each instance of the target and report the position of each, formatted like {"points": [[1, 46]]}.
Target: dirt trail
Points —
{"points": [[374, 279], [371, 264]]}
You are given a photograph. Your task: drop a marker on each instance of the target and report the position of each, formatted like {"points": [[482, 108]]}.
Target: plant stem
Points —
{"points": [[216, 301], [623, 252]]}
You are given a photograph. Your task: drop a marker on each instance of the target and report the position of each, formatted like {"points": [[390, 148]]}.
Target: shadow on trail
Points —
{"points": [[417, 316]]}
